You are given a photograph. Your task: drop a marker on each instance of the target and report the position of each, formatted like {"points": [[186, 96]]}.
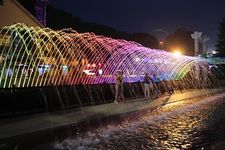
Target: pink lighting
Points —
{"points": [[94, 65], [75, 59]]}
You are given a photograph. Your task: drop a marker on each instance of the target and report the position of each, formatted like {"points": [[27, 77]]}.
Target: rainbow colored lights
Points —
{"points": [[33, 56]]}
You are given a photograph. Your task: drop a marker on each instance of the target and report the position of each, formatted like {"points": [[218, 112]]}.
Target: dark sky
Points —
{"points": [[148, 15]]}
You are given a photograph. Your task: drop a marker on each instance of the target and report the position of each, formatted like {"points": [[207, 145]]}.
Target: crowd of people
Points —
{"points": [[153, 86]]}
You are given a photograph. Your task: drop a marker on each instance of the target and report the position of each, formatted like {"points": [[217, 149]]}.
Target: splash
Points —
{"points": [[162, 128], [33, 56]]}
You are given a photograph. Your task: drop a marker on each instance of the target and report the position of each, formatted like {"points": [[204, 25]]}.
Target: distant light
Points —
{"points": [[137, 59], [41, 65], [88, 65], [64, 67], [89, 72], [93, 65], [161, 43], [100, 71], [214, 52], [177, 53]]}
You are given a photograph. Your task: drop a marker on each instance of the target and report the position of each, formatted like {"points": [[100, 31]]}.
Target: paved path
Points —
{"points": [[23, 125], [219, 146]]}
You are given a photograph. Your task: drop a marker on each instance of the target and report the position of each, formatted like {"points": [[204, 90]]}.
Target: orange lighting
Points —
{"points": [[177, 53], [93, 65]]}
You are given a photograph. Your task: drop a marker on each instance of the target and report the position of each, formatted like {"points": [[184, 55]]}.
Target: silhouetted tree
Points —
{"points": [[220, 46], [145, 39], [103, 30], [57, 19], [180, 39]]}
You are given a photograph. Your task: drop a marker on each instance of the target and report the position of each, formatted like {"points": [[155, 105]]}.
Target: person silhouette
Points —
{"points": [[119, 98], [147, 83]]}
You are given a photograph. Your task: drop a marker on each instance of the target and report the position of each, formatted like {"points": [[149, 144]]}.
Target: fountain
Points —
{"points": [[37, 57], [64, 68], [55, 70]]}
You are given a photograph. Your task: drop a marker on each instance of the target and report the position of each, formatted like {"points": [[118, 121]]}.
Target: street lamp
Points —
{"points": [[177, 53], [214, 52]]}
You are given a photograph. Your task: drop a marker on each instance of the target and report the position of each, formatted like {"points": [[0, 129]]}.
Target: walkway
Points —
{"points": [[28, 124]]}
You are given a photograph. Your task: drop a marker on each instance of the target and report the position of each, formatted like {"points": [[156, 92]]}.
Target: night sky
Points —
{"points": [[148, 15]]}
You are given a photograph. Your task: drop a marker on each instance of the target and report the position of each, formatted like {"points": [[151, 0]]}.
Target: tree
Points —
{"points": [[57, 19], [180, 39], [220, 46], [145, 39]]}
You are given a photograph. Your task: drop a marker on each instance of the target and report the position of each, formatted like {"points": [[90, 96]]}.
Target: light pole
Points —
{"points": [[196, 36], [203, 40]]}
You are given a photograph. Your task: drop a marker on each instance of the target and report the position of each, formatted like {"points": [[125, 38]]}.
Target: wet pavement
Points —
{"points": [[25, 125], [192, 124], [189, 120]]}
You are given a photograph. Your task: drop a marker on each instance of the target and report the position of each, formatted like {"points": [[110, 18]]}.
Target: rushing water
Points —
{"points": [[44, 57], [192, 124]]}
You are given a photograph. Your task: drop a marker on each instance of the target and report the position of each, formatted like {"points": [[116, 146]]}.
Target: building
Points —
{"points": [[11, 12]]}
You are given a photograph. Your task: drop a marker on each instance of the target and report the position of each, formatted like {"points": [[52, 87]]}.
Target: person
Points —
{"points": [[164, 86], [157, 83], [119, 87], [147, 85], [170, 89], [180, 85]]}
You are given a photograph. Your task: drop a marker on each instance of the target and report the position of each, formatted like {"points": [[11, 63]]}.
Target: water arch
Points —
{"points": [[33, 56]]}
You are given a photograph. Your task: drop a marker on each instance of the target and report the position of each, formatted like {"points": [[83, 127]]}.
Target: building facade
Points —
{"points": [[12, 12]]}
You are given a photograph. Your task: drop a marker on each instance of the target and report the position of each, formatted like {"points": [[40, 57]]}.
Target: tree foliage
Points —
{"points": [[66, 20], [180, 39], [58, 19], [220, 46], [145, 39]]}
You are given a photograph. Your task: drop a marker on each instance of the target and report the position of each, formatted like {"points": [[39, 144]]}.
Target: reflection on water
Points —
{"points": [[193, 124]]}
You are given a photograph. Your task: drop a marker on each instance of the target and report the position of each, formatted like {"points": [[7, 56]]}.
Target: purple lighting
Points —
{"points": [[70, 58], [40, 9]]}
